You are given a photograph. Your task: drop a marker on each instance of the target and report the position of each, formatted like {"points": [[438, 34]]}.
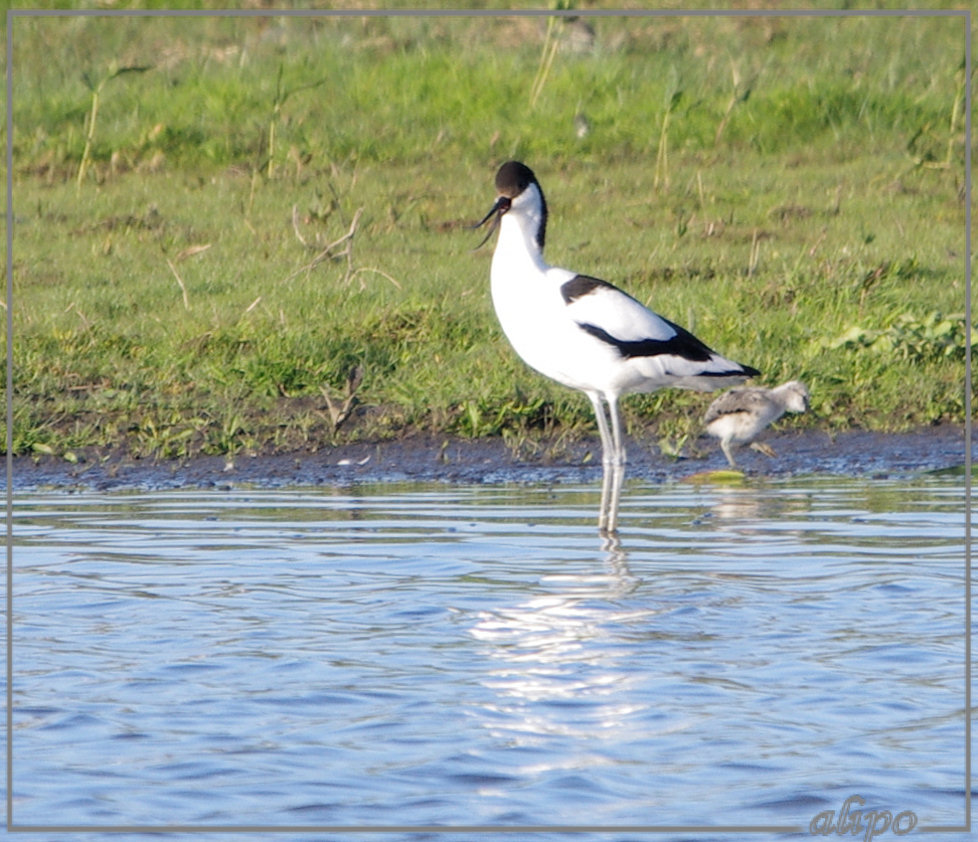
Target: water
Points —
{"points": [[428, 654]]}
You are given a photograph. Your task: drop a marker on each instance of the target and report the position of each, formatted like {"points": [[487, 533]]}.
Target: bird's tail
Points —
{"points": [[715, 373]]}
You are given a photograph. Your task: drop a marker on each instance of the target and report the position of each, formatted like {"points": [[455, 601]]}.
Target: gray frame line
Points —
{"points": [[965, 14], [489, 13], [9, 769], [968, 153], [431, 828]]}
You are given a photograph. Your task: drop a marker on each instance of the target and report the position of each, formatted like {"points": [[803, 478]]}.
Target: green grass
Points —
{"points": [[800, 209]]}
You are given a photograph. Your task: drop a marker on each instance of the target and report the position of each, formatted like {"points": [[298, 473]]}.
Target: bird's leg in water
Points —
{"points": [[613, 462]]}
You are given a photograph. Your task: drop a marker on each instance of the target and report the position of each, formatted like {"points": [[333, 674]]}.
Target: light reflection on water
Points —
{"points": [[429, 654]]}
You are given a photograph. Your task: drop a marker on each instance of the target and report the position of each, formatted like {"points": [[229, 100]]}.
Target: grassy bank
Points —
{"points": [[261, 206]]}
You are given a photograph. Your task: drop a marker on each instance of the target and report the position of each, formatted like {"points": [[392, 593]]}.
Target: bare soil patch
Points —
{"points": [[424, 458]]}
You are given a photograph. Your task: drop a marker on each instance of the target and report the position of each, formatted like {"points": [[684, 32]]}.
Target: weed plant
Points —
{"points": [[274, 204]]}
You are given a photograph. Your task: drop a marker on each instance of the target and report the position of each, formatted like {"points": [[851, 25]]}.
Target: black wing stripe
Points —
{"points": [[581, 285], [681, 344]]}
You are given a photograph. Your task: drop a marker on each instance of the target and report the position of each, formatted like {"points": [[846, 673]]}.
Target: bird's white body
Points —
{"points": [[583, 332], [739, 416], [541, 329]]}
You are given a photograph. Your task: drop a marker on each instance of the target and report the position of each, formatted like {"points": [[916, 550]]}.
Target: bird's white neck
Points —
{"points": [[518, 247]]}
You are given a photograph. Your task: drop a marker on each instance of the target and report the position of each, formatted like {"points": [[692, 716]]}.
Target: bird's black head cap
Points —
{"points": [[512, 179]]}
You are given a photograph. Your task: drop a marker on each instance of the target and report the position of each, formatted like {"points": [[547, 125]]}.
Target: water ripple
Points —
{"points": [[428, 654]]}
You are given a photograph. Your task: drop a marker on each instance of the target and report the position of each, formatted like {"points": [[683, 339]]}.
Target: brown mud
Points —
{"points": [[468, 461]]}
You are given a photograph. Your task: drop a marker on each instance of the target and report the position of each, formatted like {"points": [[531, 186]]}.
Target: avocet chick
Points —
{"points": [[737, 417]]}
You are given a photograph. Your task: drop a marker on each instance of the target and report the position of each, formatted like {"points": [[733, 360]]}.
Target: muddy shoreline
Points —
{"points": [[854, 453]]}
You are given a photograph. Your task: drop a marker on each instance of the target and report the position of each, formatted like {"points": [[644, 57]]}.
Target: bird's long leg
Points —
{"points": [[614, 478], [607, 442], [617, 466], [728, 452], [603, 513], [619, 442], [607, 457]]}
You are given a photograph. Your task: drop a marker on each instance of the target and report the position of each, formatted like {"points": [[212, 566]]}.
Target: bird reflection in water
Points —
{"points": [[557, 663]]}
